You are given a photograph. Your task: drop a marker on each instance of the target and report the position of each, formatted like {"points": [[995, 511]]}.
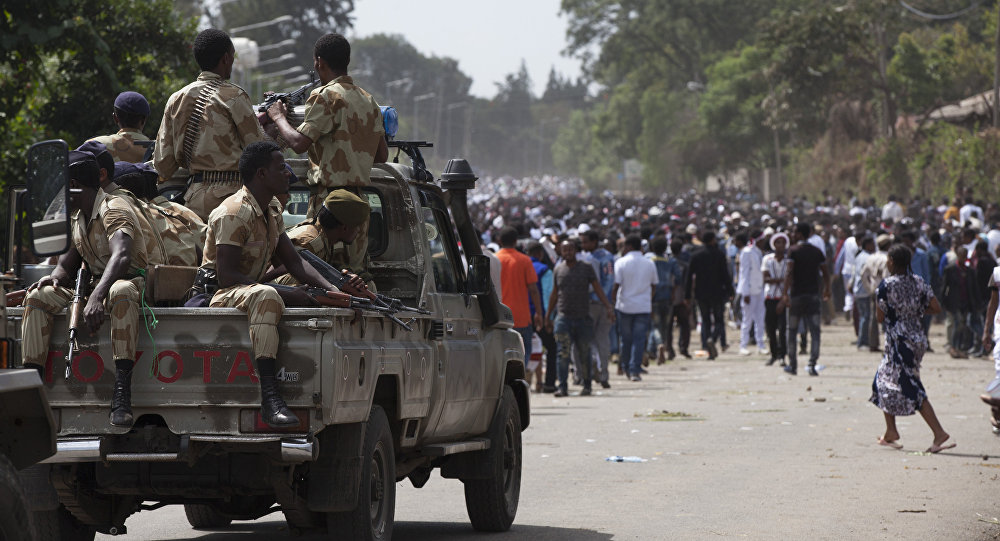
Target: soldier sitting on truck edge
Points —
{"points": [[131, 112], [244, 233], [107, 237], [343, 132], [205, 127], [337, 224]]}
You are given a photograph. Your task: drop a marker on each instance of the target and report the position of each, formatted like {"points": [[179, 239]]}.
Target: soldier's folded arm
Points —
{"points": [[227, 266], [118, 265]]}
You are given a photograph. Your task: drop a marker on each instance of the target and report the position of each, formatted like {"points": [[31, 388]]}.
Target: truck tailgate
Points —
{"points": [[195, 370]]}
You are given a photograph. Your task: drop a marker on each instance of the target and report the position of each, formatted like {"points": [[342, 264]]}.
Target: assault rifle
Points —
{"points": [[339, 279], [339, 299], [291, 99], [76, 312]]}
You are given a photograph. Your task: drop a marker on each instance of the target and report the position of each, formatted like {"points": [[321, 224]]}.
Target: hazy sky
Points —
{"points": [[488, 38]]}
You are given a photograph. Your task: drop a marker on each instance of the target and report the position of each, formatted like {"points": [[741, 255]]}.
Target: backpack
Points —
{"points": [[665, 276]]}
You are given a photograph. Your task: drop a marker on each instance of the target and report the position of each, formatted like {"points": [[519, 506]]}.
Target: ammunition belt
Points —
{"points": [[216, 176]]}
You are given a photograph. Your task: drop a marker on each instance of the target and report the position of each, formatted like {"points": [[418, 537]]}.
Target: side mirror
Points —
{"points": [[480, 282], [48, 197]]}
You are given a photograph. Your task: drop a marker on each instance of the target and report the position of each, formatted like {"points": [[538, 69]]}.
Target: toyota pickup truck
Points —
{"points": [[378, 403]]}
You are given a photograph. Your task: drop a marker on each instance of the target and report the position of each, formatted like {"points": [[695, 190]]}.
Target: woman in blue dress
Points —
{"points": [[902, 300]]}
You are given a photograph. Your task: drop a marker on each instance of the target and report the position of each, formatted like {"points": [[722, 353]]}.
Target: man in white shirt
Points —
{"points": [[970, 210], [750, 287], [632, 295], [892, 210]]}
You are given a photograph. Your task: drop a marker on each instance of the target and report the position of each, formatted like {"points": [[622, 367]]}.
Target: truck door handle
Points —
{"points": [[311, 324]]}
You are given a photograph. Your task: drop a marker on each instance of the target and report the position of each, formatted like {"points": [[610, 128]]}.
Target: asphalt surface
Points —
{"points": [[730, 449]]}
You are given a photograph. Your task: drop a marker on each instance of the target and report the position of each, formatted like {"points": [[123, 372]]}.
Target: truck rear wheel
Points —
{"points": [[60, 525], [14, 524], [203, 515], [372, 519], [492, 503]]}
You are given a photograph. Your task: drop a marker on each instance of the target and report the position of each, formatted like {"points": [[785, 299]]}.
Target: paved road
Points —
{"points": [[745, 452]]}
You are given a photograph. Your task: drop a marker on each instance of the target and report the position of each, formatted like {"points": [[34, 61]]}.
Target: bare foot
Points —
{"points": [[940, 445], [890, 443]]}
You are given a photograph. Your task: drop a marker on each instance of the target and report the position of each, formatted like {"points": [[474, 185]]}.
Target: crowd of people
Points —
{"points": [[776, 270]]}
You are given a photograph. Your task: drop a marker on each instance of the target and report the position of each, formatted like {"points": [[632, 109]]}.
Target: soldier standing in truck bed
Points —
{"points": [[205, 127], [342, 130], [131, 112]]}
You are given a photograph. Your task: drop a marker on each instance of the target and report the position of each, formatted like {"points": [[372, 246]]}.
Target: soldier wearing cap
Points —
{"points": [[181, 231], [336, 226], [107, 238], [342, 131], [206, 125], [105, 161], [130, 114], [245, 233]]}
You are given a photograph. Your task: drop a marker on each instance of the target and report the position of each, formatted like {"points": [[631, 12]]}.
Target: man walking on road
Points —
{"points": [[519, 282], [708, 276], [750, 287], [635, 278], [603, 262], [570, 301], [802, 295]]}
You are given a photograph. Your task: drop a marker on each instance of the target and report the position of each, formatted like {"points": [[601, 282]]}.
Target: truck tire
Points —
{"points": [[492, 503], [14, 522], [60, 525], [372, 519], [203, 515]]}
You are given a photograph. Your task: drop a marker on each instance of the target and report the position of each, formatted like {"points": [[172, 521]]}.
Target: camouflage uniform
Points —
{"points": [[121, 145], [308, 235], [181, 232], [239, 221], [111, 214], [228, 124], [345, 125]]}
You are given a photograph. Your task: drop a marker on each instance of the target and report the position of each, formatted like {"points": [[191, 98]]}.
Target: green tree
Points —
{"points": [[64, 61]]}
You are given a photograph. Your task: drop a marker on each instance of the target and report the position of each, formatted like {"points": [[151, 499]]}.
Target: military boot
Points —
{"points": [[273, 409], [121, 399]]}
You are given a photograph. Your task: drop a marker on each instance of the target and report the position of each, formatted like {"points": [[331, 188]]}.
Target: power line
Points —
{"points": [[945, 17]]}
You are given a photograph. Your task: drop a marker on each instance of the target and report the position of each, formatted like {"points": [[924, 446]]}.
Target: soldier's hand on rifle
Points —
{"points": [[45, 281], [94, 313], [354, 285], [277, 110]]}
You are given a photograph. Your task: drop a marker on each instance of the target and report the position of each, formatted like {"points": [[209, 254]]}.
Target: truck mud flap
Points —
{"points": [[335, 476]]}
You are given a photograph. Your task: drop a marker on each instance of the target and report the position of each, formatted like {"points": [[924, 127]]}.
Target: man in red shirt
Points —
{"points": [[518, 281]]}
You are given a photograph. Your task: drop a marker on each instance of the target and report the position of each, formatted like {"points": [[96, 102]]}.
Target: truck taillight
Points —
{"points": [[5, 353], [251, 421]]}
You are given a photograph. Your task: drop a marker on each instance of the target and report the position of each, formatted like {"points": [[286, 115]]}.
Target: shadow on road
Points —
{"points": [[403, 531], [434, 531]]}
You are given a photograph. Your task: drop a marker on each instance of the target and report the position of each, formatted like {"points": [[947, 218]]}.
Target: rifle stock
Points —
{"points": [[15, 298], [76, 313]]}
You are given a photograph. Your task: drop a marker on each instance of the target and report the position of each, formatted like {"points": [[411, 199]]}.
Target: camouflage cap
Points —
{"points": [[346, 207], [104, 159], [132, 102]]}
